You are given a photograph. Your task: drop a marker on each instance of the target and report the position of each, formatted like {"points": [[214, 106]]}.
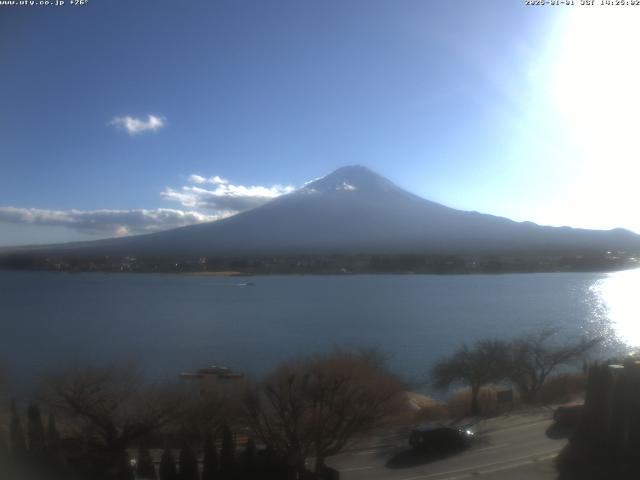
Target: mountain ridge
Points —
{"points": [[353, 210]]}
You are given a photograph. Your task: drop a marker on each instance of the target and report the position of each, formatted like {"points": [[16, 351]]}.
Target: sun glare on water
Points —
{"points": [[595, 90], [619, 296]]}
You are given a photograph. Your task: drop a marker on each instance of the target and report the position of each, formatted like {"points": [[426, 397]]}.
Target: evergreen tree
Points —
{"points": [[210, 461], [274, 466], [188, 464], [35, 434], [4, 457], [168, 469], [55, 458], [144, 465], [53, 437], [3, 445], [17, 441], [249, 457], [125, 471], [227, 453]]}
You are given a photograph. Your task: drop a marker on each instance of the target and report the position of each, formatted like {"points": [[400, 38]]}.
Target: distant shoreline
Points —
{"points": [[233, 274], [216, 274], [356, 264]]}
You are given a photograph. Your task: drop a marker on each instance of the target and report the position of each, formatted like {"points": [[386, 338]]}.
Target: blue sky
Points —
{"points": [[116, 117]]}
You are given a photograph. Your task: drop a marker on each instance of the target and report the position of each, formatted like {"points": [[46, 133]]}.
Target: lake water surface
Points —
{"points": [[171, 323]]}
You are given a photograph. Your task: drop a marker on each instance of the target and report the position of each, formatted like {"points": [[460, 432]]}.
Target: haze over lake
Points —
{"points": [[171, 323]]}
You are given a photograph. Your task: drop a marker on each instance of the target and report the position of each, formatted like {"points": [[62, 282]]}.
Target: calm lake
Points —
{"points": [[171, 323]]}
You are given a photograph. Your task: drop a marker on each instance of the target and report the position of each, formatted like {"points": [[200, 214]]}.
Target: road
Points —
{"points": [[516, 446]]}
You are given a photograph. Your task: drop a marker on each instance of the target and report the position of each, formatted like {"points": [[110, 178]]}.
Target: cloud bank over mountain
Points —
{"points": [[107, 222], [216, 194], [204, 199]]}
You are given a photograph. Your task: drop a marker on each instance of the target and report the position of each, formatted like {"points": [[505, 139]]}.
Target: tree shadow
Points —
{"points": [[414, 458], [557, 431], [576, 463]]}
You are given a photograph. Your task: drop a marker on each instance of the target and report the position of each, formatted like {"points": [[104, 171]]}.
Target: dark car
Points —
{"points": [[568, 415], [440, 439]]}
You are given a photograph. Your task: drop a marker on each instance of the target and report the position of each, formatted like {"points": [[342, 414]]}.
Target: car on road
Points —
{"points": [[568, 415], [440, 439]]}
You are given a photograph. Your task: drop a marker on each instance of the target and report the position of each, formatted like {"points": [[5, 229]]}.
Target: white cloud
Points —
{"points": [[311, 181], [218, 180], [108, 222], [134, 125], [213, 195], [199, 180], [224, 196]]}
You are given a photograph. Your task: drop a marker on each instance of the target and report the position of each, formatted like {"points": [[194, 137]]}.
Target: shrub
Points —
{"points": [[459, 405], [563, 388]]}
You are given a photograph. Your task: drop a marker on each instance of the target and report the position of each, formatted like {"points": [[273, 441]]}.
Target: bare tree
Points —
{"points": [[112, 407], [316, 407], [206, 411], [473, 366], [532, 358]]}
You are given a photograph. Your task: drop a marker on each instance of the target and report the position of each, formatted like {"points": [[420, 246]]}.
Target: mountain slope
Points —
{"points": [[354, 210]]}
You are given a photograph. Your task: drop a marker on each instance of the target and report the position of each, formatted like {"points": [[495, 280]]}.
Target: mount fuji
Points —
{"points": [[356, 211]]}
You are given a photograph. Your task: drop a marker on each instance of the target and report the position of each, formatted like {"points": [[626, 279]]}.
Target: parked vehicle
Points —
{"points": [[440, 439]]}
